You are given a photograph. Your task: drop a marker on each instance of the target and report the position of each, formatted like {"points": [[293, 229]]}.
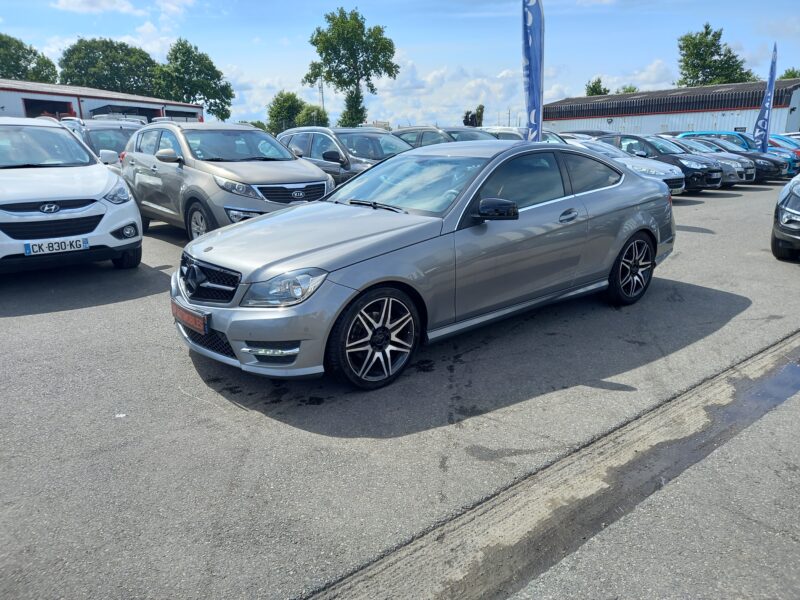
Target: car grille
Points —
{"points": [[50, 228], [34, 206], [285, 195], [713, 177], [208, 282], [213, 341], [674, 184], [749, 174]]}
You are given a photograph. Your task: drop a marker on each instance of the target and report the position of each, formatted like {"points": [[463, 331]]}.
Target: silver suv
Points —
{"points": [[206, 175]]}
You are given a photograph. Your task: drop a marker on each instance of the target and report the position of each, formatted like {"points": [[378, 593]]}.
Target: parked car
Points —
{"points": [[575, 136], [786, 227], [201, 176], [424, 245], [427, 135], [595, 133], [748, 142], [700, 173], [104, 134], [58, 203], [768, 166], [786, 142], [342, 152], [645, 167], [521, 133], [735, 169]]}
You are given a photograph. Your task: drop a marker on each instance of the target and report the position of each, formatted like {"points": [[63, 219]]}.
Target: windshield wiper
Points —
{"points": [[376, 205], [259, 158], [216, 159]]}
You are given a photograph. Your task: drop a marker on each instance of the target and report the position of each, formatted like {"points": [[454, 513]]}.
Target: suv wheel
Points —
{"points": [[129, 259], [632, 271], [198, 221]]}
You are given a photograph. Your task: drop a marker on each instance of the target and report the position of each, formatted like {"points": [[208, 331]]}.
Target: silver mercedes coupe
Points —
{"points": [[424, 245]]}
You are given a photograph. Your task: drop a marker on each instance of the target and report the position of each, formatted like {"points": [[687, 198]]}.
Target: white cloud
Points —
{"points": [[154, 40], [655, 76], [98, 6], [55, 45]]}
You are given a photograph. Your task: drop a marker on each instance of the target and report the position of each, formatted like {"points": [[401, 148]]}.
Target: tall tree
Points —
{"points": [[706, 60], [108, 65], [260, 124], [790, 73], [313, 115], [283, 111], [479, 115], [23, 62], [191, 76], [595, 88], [350, 56], [627, 89]]}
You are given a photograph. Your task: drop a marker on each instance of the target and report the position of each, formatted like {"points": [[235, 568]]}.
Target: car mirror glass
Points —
{"points": [[167, 155], [497, 209], [108, 157]]}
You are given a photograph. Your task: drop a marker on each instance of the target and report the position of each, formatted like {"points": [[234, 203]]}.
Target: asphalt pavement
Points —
{"points": [[132, 468]]}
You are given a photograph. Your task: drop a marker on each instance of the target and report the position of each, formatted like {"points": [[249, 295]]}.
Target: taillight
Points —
{"points": [[121, 156]]}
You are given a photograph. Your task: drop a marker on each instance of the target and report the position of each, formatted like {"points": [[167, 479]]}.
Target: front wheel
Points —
{"points": [[632, 271], [198, 221], [374, 338]]}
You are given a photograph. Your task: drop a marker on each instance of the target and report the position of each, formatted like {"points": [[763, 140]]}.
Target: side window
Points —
{"points": [[300, 142], [148, 141], [285, 140], [169, 142], [409, 137], [588, 174], [632, 145], [432, 137], [321, 144], [527, 180]]}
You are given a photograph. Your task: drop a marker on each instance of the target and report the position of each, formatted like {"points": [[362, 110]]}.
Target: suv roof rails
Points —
{"points": [[45, 117], [113, 117], [161, 119], [74, 120]]}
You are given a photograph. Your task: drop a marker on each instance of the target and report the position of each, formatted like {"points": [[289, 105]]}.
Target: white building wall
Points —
{"points": [[692, 121], [11, 104]]}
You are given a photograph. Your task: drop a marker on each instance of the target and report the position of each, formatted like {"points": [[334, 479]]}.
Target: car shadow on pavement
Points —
{"points": [[77, 286], [583, 342], [167, 233]]}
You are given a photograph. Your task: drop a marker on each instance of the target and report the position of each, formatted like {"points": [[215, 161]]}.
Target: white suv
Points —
{"points": [[58, 203]]}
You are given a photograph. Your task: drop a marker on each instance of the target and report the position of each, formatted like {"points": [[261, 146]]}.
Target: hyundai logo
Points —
{"points": [[298, 195], [49, 208], [194, 278]]}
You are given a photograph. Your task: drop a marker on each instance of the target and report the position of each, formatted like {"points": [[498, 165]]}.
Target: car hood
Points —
{"points": [[55, 183], [700, 158], [318, 234], [664, 170], [266, 172]]}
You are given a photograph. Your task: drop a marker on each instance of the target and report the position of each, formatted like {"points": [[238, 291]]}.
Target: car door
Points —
{"points": [[502, 263], [167, 194], [320, 144], [142, 163]]}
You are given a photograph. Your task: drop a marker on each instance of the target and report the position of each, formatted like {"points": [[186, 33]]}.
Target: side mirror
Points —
{"points": [[640, 153], [497, 209], [109, 157], [332, 156], [297, 152], [167, 155]]}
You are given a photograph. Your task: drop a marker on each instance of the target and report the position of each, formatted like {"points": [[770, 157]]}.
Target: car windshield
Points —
{"points": [[699, 146], [728, 145], [469, 135], [787, 143], [417, 183], [750, 141], [665, 146], [26, 146], [372, 146], [605, 149], [109, 139], [235, 145]]}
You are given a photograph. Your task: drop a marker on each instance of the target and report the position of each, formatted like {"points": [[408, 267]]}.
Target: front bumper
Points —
{"points": [[788, 238], [233, 330], [703, 179]]}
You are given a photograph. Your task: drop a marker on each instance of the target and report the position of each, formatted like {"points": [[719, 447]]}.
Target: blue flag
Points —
{"points": [[532, 65], [761, 130]]}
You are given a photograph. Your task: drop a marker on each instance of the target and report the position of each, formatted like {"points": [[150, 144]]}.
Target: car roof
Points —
{"points": [[28, 121], [219, 125], [478, 149], [320, 129]]}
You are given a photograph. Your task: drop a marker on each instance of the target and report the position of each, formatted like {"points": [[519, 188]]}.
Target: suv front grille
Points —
{"points": [[214, 341], [34, 206], [50, 228], [207, 282], [285, 195]]}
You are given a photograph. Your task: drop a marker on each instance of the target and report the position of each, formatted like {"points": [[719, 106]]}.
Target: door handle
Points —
{"points": [[568, 216], [154, 169]]}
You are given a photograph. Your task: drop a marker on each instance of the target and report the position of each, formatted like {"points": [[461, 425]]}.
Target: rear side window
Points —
{"points": [[588, 174], [527, 180], [432, 137], [409, 137], [148, 141]]}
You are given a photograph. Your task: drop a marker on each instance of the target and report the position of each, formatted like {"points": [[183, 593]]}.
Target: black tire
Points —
{"points": [[632, 271], [196, 208], [145, 224], [780, 252], [129, 259], [365, 331]]}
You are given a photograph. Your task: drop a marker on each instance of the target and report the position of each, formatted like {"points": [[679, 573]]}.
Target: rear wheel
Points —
{"points": [[632, 271], [198, 221], [374, 338], [780, 252], [129, 259]]}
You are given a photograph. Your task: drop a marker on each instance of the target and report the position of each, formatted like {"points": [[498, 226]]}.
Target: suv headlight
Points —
{"points": [[789, 218], [691, 164], [730, 163], [119, 194], [285, 290], [235, 187], [763, 163], [646, 170], [330, 184]]}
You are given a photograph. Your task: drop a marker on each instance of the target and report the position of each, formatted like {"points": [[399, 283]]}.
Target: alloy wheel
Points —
{"points": [[635, 268], [197, 224]]}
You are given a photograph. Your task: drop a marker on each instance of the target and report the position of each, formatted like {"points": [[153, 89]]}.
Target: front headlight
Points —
{"points": [[330, 184], [235, 187], [285, 290], [646, 170], [763, 163], [119, 194], [789, 218], [730, 163], [690, 163]]}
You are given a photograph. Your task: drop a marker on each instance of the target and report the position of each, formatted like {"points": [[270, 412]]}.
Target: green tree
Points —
{"points": [[312, 115], [350, 56], [791, 73], [595, 88], [627, 89], [283, 111], [108, 65], [479, 114], [23, 62], [468, 117], [191, 76], [260, 124], [706, 60]]}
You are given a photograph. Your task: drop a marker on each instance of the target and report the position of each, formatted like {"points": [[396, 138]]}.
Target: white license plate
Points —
{"points": [[54, 246]]}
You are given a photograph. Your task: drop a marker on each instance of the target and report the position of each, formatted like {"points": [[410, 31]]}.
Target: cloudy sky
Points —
{"points": [[453, 54]]}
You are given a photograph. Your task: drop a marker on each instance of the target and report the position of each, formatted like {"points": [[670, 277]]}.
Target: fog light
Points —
{"points": [[236, 215], [129, 231]]}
